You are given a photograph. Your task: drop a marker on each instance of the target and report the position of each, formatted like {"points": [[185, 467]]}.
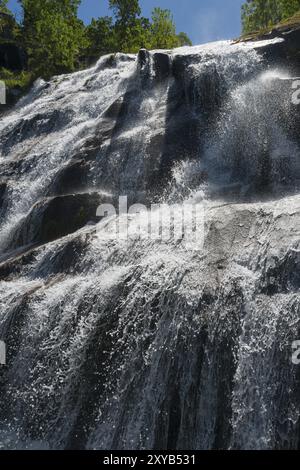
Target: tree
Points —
{"points": [[130, 32], [53, 35], [288, 7], [125, 11], [3, 6], [184, 40], [8, 25], [260, 14], [128, 24], [56, 41], [163, 30], [101, 38]]}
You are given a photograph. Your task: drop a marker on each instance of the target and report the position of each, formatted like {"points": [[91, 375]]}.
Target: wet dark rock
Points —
{"points": [[143, 58], [282, 275], [155, 68], [66, 259], [66, 214], [71, 179], [116, 110], [57, 217], [3, 187], [15, 263], [285, 53], [162, 65]]}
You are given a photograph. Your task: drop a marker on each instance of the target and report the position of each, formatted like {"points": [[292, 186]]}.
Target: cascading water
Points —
{"points": [[144, 343]]}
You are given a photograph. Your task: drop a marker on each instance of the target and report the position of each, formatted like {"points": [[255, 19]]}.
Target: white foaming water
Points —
{"points": [[60, 114], [249, 143], [145, 343]]}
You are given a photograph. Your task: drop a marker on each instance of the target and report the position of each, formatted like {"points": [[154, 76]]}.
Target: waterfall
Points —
{"points": [[142, 342]]}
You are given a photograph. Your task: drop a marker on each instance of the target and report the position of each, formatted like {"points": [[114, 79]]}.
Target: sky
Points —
{"points": [[202, 20]]}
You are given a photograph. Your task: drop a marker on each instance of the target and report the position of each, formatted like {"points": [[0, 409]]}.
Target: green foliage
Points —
{"points": [[163, 30], [101, 38], [53, 35], [56, 41], [8, 25], [289, 7], [3, 6], [21, 79], [125, 11], [261, 14], [131, 32], [184, 40], [132, 37]]}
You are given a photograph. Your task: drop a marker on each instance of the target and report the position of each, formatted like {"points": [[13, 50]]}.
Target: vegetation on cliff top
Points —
{"points": [[277, 29], [57, 41], [261, 15]]}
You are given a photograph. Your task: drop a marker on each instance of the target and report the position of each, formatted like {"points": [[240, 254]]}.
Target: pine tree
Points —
{"points": [[128, 25], [184, 40], [163, 30], [8, 25], [101, 38], [53, 35]]}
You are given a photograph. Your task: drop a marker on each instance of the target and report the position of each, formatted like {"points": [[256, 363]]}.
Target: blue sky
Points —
{"points": [[202, 20]]}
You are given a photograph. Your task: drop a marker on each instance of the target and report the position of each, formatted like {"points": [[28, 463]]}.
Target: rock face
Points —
{"points": [[56, 217], [286, 54], [119, 342]]}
